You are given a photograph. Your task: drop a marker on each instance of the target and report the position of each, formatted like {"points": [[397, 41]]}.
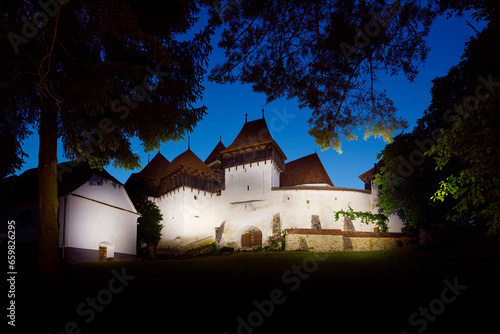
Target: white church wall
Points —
{"points": [[298, 206], [239, 217], [86, 223], [252, 181], [171, 206], [188, 217], [249, 201], [199, 215]]}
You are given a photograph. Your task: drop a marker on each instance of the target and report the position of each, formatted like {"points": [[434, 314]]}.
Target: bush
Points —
{"points": [[276, 242]]}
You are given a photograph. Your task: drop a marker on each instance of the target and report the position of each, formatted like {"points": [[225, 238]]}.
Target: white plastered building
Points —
{"points": [[244, 193]]}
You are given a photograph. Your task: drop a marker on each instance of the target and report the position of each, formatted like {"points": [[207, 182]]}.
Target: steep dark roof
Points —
{"points": [[215, 155], [190, 160], [306, 170], [155, 168], [253, 133], [369, 175], [71, 175]]}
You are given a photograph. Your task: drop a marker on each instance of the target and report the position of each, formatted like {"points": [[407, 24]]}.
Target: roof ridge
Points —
{"points": [[183, 160]]}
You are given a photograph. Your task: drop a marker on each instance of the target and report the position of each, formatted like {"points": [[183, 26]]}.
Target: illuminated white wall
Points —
{"points": [[250, 181], [85, 222], [188, 216], [295, 207], [249, 201]]}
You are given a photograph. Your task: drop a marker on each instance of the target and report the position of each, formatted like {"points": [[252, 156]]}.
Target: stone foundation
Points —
{"points": [[329, 240]]}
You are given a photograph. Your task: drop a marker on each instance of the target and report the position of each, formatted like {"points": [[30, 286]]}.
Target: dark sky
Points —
{"points": [[227, 105]]}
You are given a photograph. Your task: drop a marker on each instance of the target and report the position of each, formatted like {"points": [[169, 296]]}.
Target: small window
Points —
{"points": [[195, 197], [308, 202], [248, 187]]}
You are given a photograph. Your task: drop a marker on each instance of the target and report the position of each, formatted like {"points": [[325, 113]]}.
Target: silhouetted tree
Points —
{"points": [[149, 226], [328, 55], [95, 74], [459, 136]]}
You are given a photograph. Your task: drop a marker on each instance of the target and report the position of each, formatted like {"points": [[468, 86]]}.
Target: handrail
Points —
{"points": [[184, 246]]}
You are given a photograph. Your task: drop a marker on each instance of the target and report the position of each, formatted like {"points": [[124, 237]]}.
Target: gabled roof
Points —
{"points": [[370, 174], [190, 160], [306, 170], [155, 168], [75, 176], [215, 155], [253, 133], [71, 175]]}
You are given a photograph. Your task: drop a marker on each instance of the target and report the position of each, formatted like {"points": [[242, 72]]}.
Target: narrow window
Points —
{"points": [[248, 188]]}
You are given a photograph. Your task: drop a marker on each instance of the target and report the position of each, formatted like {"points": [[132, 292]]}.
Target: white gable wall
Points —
{"points": [[85, 220], [106, 191]]}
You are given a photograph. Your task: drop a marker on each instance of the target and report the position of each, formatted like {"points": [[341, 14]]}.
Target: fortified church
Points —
{"points": [[245, 192]]}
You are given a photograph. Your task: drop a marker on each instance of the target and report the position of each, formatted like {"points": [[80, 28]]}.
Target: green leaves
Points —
{"points": [[448, 187], [149, 227], [378, 219], [458, 180]]}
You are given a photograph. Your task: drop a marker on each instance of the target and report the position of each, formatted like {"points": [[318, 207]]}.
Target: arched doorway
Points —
{"points": [[251, 238]]}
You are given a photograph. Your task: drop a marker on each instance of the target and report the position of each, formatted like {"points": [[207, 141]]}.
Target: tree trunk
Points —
{"points": [[48, 232]]}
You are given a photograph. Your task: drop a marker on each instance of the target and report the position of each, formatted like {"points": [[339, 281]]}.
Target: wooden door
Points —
{"points": [[251, 238]]}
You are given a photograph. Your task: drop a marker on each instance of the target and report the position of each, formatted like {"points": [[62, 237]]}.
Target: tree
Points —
{"points": [[13, 131], [453, 152], [407, 178], [95, 74], [149, 227], [328, 55], [473, 139]]}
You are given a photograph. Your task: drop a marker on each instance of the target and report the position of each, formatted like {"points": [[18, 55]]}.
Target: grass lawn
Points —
{"points": [[449, 287]]}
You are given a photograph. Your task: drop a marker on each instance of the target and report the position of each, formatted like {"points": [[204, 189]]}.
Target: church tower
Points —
{"points": [[252, 164]]}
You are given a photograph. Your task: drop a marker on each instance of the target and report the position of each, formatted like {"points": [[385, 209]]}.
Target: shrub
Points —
{"points": [[276, 242]]}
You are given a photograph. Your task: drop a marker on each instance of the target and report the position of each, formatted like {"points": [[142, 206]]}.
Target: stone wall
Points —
{"points": [[334, 240]]}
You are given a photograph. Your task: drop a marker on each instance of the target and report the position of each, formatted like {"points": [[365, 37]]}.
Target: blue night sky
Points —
{"points": [[227, 105]]}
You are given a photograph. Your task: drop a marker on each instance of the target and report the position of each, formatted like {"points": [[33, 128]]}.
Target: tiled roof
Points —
{"points": [[215, 155], [155, 168], [306, 170], [188, 159], [253, 133]]}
